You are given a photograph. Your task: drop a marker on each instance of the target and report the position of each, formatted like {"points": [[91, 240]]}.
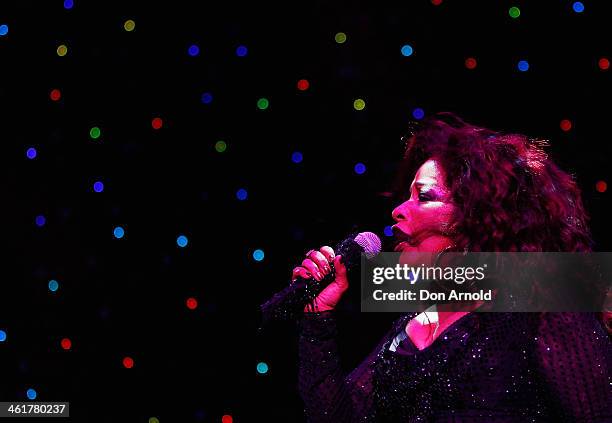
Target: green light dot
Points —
{"points": [[514, 12], [62, 50], [263, 103], [153, 420], [95, 133], [340, 38], [220, 146], [129, 25], [359, 104]]}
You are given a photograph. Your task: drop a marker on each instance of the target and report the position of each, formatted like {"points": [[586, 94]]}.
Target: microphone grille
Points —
{"points": [[370, 242]]}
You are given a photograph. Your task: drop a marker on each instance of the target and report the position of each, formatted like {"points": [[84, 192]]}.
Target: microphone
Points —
{"points": [[290, 302]]}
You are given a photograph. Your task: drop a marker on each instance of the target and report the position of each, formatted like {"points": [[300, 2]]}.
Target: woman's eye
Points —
{"points": [[424, 197]]}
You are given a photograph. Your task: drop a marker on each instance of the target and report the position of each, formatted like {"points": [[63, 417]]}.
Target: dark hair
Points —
{"points": [[509, 194]]}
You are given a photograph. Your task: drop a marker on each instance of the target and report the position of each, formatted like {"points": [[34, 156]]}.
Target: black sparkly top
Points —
{"points": [[486, 367]]}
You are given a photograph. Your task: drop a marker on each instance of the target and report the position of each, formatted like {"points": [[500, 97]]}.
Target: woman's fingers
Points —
{"points": [[328, 252], [300, 272], [313, 269], [321, 261]]}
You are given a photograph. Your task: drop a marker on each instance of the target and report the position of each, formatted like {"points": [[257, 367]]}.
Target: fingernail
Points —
{"points": [[320, 275]]}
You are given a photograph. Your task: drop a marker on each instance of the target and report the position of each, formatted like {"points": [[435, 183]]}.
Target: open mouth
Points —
{"points": [[402, 238]]}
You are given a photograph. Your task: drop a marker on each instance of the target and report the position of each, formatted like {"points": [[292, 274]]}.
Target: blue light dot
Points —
{"points": [[118, 232], [182, 241], [258, 255], [360, 168], [578, 7], [31, 393], [241, 51], [40, 220], [3, 30], [207, 98], [31, 153], [407, 50], [388, 231], [418, 113], [98, 186], [297, 157], [53, 285], [523, 66], [193, 50], [242, 194], [262, 368], [68, 4], [2, 336]]}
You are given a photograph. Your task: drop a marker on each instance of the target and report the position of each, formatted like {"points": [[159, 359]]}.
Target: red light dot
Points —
{"points": [[128, 362], [566, 125], [192, 303], [66, 344], [157, 123], [303, 84], [470, 63], [436, 2], [601, 186], [55, 94], [604, 63], [227, 419]]}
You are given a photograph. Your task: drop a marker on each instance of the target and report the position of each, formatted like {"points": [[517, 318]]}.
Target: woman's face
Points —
{"points": [[423, 221]]}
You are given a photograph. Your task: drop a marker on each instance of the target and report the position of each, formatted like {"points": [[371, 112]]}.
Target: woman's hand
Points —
{"points": [[317, 265]]}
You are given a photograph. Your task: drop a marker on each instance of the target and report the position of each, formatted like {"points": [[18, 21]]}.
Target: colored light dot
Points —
{"points": [[129, 25], [62, 50], [262, 368], [241, 51], [297, 157], [128, 362], [193, 50], [263, 103], [471, 63], [523, 66], [192, 303], [359, 104], [55, 95], [2, 336], [340, 37], [182, 241], [153, 420], [388, 231], [418, 113], [578, 7], [157, 123], [207, 98], [98, 186], [566, 125], [406, 50], [601, 186], [66, 343], [242, 194], [514, 12], [31, 393], [95, 133], [118, 232], [604, 63], [436, 2], [258, 255], [303, 84], [53, 285], [227, 419], [68, 4], [40, 220], [3, 30], [360, 168], [220, 146], [31, 153]]}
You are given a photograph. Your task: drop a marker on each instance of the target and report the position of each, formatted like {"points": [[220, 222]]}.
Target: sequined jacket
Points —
{"points": [[487, 367]]}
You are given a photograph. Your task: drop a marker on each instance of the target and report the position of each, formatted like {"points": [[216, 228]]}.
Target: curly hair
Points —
{"points": [[509, 194]]}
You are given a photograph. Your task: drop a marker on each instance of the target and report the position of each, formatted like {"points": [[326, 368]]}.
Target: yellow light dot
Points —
{"points": [[340, 38], [129, 25], [359, 104], [153, 420], [62, 50]]}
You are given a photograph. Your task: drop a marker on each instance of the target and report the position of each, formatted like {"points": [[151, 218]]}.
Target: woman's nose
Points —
{"points": [[399, 213]]}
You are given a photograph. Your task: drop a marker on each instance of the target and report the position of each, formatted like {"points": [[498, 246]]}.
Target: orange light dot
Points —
{"points": [[470, 63], [227, 419], [604, 63], [303, 84], [192, 303], [566, 125], [66, 343], [128, 362], [157, 123], [436, 2], [601, 186], [55, 94]]}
